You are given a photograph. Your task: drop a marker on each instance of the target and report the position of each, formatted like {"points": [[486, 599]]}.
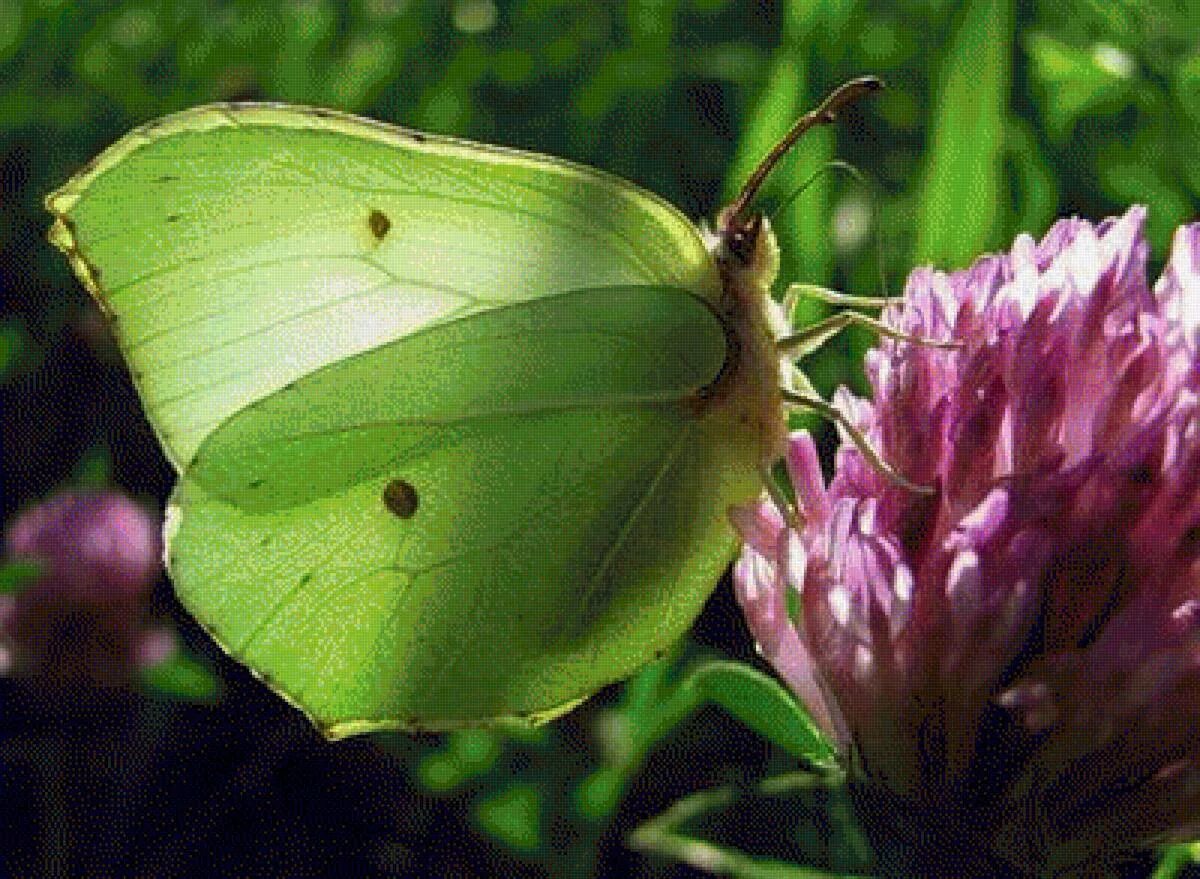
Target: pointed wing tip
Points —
{"points": [[62, 235], [58, 201]]}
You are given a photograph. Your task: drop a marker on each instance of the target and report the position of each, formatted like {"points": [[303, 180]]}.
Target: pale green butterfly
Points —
{"points": [[457, 426]]}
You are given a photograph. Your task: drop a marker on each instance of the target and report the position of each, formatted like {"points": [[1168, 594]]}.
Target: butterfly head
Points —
{"points": [[745, 247], [740, 237], [746, 252]]}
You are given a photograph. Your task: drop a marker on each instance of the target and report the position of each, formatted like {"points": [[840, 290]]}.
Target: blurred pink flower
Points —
{"points": [[1011, 664], [85, 617]]}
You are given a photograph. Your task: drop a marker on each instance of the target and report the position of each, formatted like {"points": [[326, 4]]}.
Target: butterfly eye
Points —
{"points": [[743, 240]]}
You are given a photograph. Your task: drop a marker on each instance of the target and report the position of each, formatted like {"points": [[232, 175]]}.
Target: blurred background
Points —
{"points": [[999, 116]]}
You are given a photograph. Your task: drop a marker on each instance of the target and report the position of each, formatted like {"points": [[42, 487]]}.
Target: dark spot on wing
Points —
{"points": [[256, 483], [266, 540], [418, 136], [400, 497], [166, 178], [379, 223], [306, 578], [173, 218]]}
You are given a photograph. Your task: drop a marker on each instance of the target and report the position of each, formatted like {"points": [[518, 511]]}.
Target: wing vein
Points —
{"points": [[632, 401], [390, 280], [290, 593], [175, 399], [609, 557]]}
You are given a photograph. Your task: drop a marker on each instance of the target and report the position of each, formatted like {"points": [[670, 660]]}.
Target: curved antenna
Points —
{"points": [[826, 112], [884, 297], [831, 165]]}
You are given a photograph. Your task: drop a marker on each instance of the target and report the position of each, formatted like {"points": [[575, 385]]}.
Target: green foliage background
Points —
{"points": [[1000, 115]]}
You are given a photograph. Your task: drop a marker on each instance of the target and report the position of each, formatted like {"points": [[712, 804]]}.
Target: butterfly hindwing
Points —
{"points": [[493, 517]]}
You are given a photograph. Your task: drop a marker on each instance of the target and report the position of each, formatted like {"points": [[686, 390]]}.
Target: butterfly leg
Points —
{"points": [[813, 403], [795, 292], [807, 340], [787, 509]]}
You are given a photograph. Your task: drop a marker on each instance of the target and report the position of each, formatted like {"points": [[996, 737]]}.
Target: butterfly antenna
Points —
{"points": [[877, 228], [884, 298], [828, 167], [825, 113]]}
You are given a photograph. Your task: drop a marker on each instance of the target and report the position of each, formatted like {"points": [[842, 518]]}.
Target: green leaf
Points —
{"points": [[657, 700], [736, 61], [17, 575], [1076, 82], [16, 348], [94, 467], [1186, 85], [626, 733], [600, 793], [12, 30], [1036, 190], [1175, 859], [669, 834], [765, 706], [440, 772], [1127, 177], [961, 195], [475, 749], [184, 677], [467, 754], [513, 816], [369, 63]]}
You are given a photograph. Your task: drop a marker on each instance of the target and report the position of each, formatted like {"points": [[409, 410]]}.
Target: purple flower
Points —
{"points": [[1011, 664], [85, 618]]}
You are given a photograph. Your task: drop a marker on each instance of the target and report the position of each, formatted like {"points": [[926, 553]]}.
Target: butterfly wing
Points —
{"points": [[437, 407], [236, 248], [557, 522]]}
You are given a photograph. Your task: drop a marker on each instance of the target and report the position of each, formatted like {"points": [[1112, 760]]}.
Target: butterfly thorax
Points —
{"points": [[747, 258]]}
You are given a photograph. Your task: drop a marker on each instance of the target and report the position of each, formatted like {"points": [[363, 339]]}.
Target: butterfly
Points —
{"points": [[456, 426]]}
